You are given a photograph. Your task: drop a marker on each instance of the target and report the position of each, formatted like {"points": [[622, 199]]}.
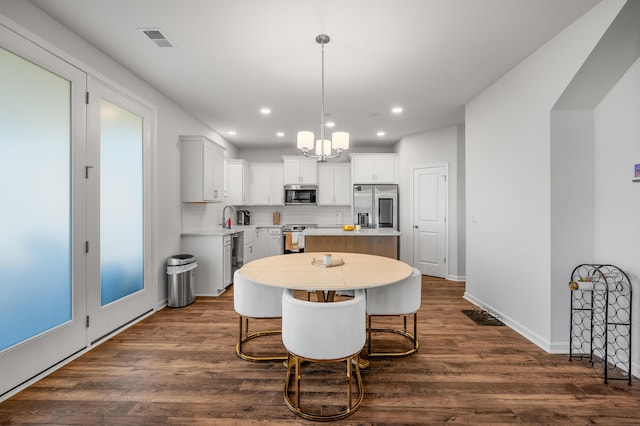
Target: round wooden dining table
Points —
{"points": [[351, 271], [305, 271]]}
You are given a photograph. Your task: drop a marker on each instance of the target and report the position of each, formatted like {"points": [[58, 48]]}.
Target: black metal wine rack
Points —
{"points": [[600, 324]]}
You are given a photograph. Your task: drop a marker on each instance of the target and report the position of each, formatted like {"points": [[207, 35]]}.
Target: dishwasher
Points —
{"points": [[237, 252]]}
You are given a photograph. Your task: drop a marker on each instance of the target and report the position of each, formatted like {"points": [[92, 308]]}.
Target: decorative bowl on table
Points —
{"points": [[348, 227]]}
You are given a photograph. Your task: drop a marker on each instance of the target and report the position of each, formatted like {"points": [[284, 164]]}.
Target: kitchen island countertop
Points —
{"points": [[339, 232]]}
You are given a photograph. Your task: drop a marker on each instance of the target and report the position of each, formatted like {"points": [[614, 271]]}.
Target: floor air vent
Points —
{"points": [[482, 317]]}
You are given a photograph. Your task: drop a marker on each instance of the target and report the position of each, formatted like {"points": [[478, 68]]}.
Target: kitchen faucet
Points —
{"points": [[233, 209]]}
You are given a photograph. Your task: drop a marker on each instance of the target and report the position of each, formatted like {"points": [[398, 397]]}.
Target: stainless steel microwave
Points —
{"points": [[300, 194]]}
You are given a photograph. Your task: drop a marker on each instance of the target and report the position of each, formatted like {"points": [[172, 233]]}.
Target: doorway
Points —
{"points": [[60, 158], [430, 195], [119, 173]]}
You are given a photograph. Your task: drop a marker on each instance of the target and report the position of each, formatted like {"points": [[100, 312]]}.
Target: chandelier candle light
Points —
{"points": [[339, 140]]}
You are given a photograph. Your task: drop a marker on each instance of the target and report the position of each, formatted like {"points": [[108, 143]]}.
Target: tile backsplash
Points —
{"points": [[198, 217]]}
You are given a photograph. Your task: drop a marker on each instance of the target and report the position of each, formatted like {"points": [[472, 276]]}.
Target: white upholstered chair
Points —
{"points": [[253, 300], [399, 299], [323, 332]]}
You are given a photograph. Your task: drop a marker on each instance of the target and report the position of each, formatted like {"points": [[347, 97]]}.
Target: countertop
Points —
{"points": [[382, 232], [220, 231], [326, 231]]}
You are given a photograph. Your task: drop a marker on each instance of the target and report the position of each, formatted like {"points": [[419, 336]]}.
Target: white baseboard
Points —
{"points": [[528, 334], [457, 278], [555, 348], [66, 361]]}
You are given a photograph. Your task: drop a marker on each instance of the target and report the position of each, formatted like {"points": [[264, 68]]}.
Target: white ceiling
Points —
{"points": [[233, 57]]}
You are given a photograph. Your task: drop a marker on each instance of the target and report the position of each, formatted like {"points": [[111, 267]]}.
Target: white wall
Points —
{"points": [[172, 121], [462, 205], [442, 146], [572, 210], [508, 179], [617, 198]]}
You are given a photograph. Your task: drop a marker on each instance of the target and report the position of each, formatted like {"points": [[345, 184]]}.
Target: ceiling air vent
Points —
{"points": [[157, 36]]}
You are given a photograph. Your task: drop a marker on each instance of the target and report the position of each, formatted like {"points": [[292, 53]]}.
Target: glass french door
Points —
{"points": [[75, 222], [42, 217], [118, 153]]}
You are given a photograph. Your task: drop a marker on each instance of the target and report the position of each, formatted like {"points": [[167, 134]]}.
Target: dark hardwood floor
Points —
{"points": [[179, 367]]}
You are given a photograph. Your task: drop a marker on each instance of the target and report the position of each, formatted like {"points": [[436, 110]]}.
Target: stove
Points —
{"points": [[298, 227]]}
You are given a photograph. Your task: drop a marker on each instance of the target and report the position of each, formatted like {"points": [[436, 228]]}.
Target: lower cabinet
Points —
{"points": [[269, 242], [213, 254], [251, 249]]}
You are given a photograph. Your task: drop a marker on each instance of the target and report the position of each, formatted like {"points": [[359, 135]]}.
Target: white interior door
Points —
{"points": [[119, 233], [42, 216], [429, 220]]}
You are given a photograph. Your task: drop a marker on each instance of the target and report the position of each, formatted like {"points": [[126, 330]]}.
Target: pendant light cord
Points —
{"points": [[322, 107]]}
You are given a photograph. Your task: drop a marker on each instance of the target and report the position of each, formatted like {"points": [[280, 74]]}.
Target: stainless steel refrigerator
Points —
{"points": [[375, 206]]}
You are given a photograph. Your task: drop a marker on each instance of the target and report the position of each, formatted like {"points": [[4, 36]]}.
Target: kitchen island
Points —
{"points": [[381, 242]]}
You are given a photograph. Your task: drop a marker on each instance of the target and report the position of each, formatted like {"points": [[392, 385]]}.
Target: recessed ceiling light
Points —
{"points": [[396, 110], [280, 134], [231, 132], [380, 133], [265, 111], [330, 124]]}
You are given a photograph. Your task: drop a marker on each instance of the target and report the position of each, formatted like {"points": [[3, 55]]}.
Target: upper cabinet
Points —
{"points": [[374, 168], [334, 184], [266, 185], [201, 170], [238, 182], [300, 170]]}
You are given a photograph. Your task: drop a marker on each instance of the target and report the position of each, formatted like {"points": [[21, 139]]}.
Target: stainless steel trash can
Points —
{"points": [[181, 270]]}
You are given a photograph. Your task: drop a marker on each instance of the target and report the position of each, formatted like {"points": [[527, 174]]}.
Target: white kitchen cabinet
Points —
{"points": [[300, 170], [267, 185], [270, 241], [276, 243], [238, 182], [263, 242], [251, 248], [213, 254], [201, 170], [334, 184], [374, 168]]}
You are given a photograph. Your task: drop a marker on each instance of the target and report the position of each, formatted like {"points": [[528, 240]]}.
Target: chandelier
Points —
{"points": [[339, 140]]}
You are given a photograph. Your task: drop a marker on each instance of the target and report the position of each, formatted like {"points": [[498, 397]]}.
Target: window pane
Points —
{"points": [[35, 199], [121, 202]]}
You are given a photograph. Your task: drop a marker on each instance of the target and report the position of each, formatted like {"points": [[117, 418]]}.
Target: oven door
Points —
{"points": [[293, 242]]}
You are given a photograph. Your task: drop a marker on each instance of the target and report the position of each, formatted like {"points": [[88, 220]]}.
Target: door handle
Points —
{"points": [[415, 226]]}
